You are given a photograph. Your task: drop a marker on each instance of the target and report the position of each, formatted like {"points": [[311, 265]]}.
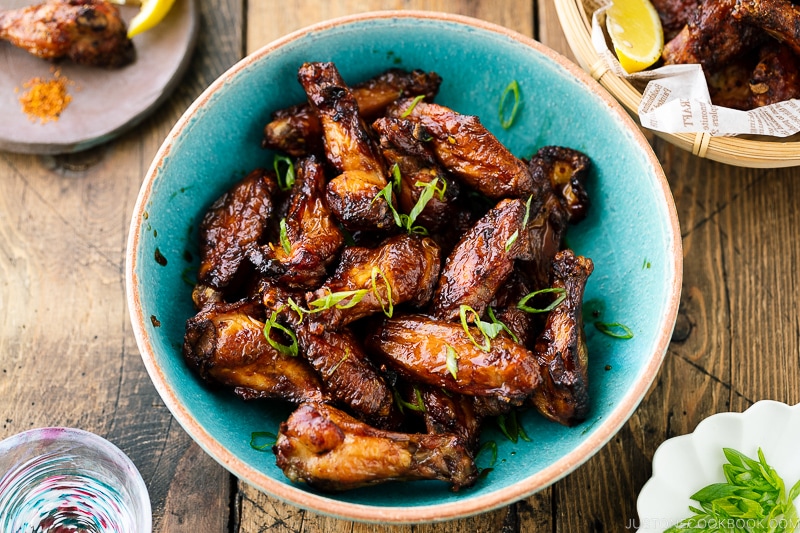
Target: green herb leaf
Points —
{"points": [[287, 246], [614, 329], [507, 119], [562, 295], [285, 178]]}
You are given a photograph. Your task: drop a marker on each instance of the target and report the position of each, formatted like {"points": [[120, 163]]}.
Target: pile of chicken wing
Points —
{"points": [[399, 276], [749, 49]]}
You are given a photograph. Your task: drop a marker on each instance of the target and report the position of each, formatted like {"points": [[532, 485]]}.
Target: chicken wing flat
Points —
{"points": [[561, 349], [353, 195], [312, 236], [441, 354], [89, 32], [403, 269], [231, 226], [330, 450], [403, 143], [225, 344], [712, 37], [450, 413], [779, 18], [481, 261], [468, 150], [297, 130], [347, 372]]}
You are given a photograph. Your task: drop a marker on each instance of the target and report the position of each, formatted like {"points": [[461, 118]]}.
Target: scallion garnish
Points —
{"points": [[388, 309], [463, 310], [614, 329], [513, 89], [489, 446], [397, 179], [285, 179], [342, 360], [418, 406], [257, 439], [290, 349], [285, 244], [452, 361], [495, 320], [511, 240], [411, 107], [562, 295], [334, 299], [511, 427]]}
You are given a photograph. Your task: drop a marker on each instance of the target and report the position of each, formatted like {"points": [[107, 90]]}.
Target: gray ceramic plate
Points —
{"points": [[105, 103]]}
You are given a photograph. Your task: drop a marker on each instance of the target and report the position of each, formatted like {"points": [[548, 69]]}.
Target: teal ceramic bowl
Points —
{"points": [[631, 234]]}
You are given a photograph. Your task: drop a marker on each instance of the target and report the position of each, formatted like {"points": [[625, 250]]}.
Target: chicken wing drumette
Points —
{"points": [[353, 195], [89, 32], [330, 450]]}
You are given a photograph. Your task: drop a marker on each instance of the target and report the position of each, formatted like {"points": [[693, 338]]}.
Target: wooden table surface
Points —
{"points": [[68, 356]]}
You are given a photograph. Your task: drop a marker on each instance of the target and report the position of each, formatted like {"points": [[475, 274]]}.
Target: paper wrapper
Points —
{"points": [[676, 99]]}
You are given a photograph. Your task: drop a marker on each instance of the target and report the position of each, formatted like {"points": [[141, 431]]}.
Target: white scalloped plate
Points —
{"points": [[683, 465]]}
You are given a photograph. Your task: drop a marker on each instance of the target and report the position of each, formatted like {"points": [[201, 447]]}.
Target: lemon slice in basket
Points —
{"points": [[636, 33], [151, 13]]}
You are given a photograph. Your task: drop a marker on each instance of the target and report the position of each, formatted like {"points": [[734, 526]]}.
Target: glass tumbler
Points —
{"points": [[64, 480]]}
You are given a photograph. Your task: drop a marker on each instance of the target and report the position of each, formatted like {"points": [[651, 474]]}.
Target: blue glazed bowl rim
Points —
{"points": [[605, 429]]}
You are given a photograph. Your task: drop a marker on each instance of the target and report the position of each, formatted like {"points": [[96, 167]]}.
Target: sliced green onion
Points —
{"points": [[418, 406], [511, 240], [411, 107], [507, 121], [501, 324], [334, 299], [614, 329], [386, 193], [562, 295], [511, 427], [285, 179], [342, 360], [257, 438], [294, 306], [452, 361], [388, 311], [287, 246], [527, 212], [490, 447], [290, 349], [397, 179], [463, 310]]}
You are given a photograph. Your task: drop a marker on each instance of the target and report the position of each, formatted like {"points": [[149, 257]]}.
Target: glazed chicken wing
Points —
{"points": [[561, 349], [312, 236], [353, 194], [468, 150], [481, 261], [712, 37], [447, 412], [89, 32], [776, 77], [225, 344], [403, 143], [297, 130], [441, 354], [347, 372], [231, 226], [330, 450], [403, 269], [779, 18]]}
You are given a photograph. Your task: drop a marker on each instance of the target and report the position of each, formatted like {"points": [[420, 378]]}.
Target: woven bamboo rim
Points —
{"points": [[576, 20]]}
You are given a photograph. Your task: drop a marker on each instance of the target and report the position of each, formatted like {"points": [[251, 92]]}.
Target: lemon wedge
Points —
{"points": [[151, 13], [636, 33]]}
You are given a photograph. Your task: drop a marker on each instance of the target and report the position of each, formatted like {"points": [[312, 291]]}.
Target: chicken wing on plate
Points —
{"points": [[561, 349], [443, 354], [352, 195], [312, 237], [565, 171], [225, 344], [232, 226], [89, 32], [468, 150], [403, 269], [330, 450], [447, 412], [297, 130]]}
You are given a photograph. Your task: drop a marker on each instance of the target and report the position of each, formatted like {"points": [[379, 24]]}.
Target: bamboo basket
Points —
{"points": [[744, 151]]}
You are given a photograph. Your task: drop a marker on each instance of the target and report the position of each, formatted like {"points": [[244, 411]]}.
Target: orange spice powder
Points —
{"points": [[45, 100]]}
